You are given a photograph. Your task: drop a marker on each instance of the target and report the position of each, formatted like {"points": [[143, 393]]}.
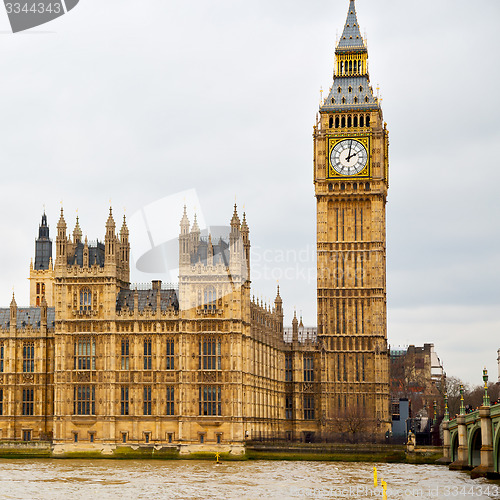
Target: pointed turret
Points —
{"points": [[195, 238], [295, 327], [125, 246], [110, 239], [77, 232], [245, 234], [61, 240], [184, 257], [184, 222], [235, 220], [278, 309]]}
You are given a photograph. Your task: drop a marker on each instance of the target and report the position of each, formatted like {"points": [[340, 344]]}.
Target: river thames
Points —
{"points": [[128, 479]]}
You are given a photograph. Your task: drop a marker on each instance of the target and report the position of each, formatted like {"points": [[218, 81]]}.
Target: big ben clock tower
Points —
{"points": [[351, 181]]}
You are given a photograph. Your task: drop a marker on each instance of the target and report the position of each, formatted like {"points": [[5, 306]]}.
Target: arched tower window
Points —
{"points": [[355, 118], [343, 122], [367, 120], [330, 121], [85, 299], [337, 122], [349, 122], [361, 121]]}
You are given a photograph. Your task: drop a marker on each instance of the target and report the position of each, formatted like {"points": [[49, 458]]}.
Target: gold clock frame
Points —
{"points": [[363, 139]]}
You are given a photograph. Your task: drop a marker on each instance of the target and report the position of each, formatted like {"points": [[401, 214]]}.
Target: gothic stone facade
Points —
{"points": [[200, 367]]}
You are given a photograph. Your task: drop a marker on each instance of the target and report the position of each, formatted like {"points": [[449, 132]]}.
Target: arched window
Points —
{"points": [[330, 121], [367, 120], [349, 89], [330, 187], [343, 100], [355, 118], [342, 186], [367, 186], [85, 299], [350, 66], [355, 99], [349, 122], [361, 121], [366, 99], [339, 90], [333, 100], [361, 88], [337, 122], [343, 122], [341, 68]]}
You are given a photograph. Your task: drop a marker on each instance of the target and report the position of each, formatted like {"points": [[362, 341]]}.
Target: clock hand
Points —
{"points": [[350, 146], [351, 156]]}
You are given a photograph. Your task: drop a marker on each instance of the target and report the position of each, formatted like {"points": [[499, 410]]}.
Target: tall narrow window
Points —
{"points": [[339, 368], [288, 368], [84, 356], [85, 299], [1, 357], [170, 354], [28, 399], [345, 368], [308, 407], [170, 401], [147, 400], [363, 366], [308, 368], [357, 367], [28, 357], [148, 358], [125, 350], [1, 401], [210, 400], [124, 401], [210, 298], [289, 407], [84, 400], [210, 354]]}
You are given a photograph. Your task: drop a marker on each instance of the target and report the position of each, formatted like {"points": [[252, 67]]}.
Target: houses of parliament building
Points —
{"points": [[95, 362]]}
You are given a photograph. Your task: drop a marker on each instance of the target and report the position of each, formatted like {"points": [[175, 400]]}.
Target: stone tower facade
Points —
{"points": [[351, 182]]}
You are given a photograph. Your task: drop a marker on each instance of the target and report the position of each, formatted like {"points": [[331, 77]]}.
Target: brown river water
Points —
{"points": [[129, 479]]}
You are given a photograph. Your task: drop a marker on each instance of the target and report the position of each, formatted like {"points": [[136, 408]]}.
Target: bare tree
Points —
{"points": [[352, 423]]}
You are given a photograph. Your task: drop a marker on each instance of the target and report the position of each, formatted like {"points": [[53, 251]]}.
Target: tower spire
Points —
{"points": [[351, 36]]}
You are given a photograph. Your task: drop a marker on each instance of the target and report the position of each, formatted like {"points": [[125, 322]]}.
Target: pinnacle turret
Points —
{"points": [[77, 232]]}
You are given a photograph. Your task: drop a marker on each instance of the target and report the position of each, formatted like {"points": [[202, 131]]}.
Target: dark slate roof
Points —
{"points": [[356, 83], [147, 298], [220, 252], [351, 36], [96, 255], [27, 316]]}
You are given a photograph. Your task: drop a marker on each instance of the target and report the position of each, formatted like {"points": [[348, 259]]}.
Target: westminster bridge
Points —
{"points": [[472, 440]]}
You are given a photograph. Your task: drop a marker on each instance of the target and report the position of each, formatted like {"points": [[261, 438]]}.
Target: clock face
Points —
{"points": [[349, 157]]}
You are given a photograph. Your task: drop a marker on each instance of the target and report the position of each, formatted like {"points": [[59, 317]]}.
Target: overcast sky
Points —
{"points": [[134, 101]]}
